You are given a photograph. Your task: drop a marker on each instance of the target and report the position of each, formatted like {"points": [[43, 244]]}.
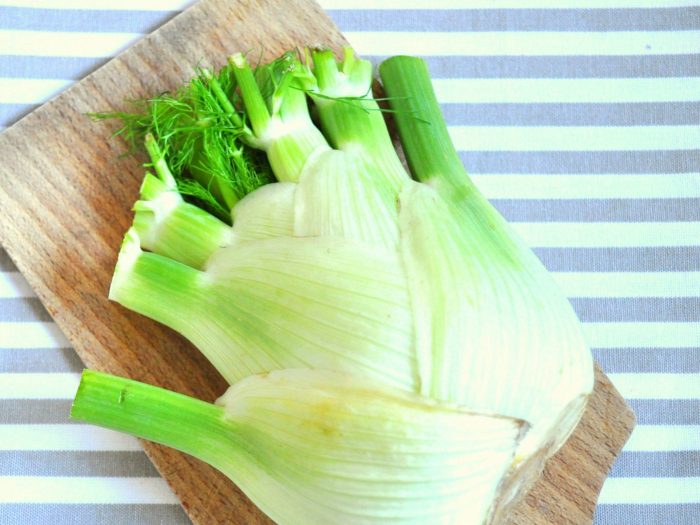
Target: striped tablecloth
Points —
{"points": [[580, 119]]}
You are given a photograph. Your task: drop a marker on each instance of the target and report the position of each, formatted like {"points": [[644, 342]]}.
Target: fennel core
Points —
{"points": [[360, 313]]}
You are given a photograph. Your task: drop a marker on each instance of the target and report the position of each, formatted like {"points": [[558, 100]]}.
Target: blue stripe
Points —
{"points": [[474, 20], [112, 514], [666, 411], [637, 309], [40, 360], [82, 463], [525, 66], [82, 20], [10, 113], [34, 411], [656, 19], [582, 162], [675, 464], [599, 210], [642, 259], [648, 360], [22, 309], [68, 68], [573, 114], [641, 514]]}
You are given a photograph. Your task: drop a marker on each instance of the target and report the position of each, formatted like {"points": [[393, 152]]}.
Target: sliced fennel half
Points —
{"points": [[313, 447]]}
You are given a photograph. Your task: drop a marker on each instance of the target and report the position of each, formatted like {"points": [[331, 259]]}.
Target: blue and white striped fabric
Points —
{"points": [[580, 119]]}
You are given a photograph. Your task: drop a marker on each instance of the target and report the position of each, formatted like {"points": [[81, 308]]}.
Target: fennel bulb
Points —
{"points": [[379, 286]]}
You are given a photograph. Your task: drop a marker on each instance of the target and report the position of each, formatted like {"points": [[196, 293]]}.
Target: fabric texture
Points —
{"points": [[580, 120]]}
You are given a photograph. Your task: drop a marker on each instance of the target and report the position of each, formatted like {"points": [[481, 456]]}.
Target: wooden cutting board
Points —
{"points": [[64, 201]]}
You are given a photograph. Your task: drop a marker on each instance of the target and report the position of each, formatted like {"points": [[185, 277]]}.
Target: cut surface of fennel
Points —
{"points": [[350, 265]]}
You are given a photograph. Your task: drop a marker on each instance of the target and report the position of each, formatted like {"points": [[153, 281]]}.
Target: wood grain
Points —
{"points": [[64, 196]]}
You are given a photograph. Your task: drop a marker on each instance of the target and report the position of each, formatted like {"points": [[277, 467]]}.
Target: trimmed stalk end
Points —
{"points": [[158, 160], [351, 78], [157, 203], [169, 226], [325, 69], [152, 186], [80, 409], [238, 61], [128, 255]]}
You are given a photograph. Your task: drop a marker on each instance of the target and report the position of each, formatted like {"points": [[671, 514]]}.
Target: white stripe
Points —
{"points": [[102, 490], [88, 490], [657, 386], [574, 138], [629, 284], [649, 491], [605, 234], [662, 438], [38, 386], [64, 437], [541, 43], [496, 4], [642, 335], [31, 335], [12, 284], [477, 90], [566, 90], [30, 90], [60, 43], [126, 5], [599, 186], [177, 5]]}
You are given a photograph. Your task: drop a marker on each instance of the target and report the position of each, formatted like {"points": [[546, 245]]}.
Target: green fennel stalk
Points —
{"points": [[152, 413]]}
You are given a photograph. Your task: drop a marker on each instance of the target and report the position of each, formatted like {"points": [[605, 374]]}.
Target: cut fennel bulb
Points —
{"points": [[313, 447], [403, 315]]}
